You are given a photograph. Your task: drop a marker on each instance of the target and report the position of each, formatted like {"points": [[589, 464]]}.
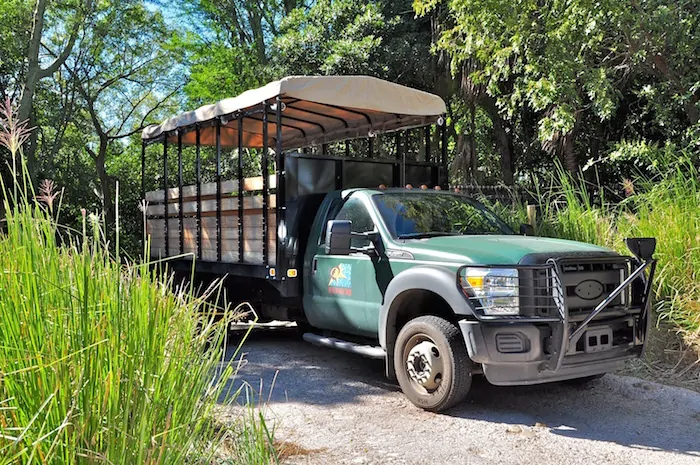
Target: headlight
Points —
{"points": [[493, 290]]}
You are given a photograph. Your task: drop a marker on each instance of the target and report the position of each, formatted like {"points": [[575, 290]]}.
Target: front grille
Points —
{"points": [[586, 284], [582, 282], [576, 283]]}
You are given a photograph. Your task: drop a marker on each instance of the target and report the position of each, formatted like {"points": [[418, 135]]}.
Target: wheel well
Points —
{"points": [[407, 306]]}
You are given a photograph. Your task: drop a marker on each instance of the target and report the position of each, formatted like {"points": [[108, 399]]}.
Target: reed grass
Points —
{"points": [[666, 207], [102, 362]]}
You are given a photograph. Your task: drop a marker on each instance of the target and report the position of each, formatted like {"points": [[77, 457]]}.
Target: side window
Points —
{"points": [[355, 211]]}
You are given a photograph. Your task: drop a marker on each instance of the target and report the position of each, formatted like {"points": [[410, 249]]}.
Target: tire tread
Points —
{"points": [[463, 365]]}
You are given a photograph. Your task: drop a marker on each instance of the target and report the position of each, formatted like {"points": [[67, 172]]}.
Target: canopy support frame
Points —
{"points": [[241, 237], [180, 214], [281, 251], [198, 174], [165, 198], [266, 187]]}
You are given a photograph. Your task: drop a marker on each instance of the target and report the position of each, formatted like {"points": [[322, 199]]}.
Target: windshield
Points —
{"points": [[418, 215]]}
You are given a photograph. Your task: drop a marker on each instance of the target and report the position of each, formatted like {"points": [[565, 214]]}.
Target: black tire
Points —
{"points": [[585, 381], [456, 366]]}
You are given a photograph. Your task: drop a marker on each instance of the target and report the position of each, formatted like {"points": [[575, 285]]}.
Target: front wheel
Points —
{"points": [[432, 364]]}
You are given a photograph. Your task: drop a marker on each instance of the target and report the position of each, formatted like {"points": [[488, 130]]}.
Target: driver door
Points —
{"points": [[344, 294]]}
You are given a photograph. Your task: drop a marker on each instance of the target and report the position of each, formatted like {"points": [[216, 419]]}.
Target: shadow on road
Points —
{"points": [[621, 410]]}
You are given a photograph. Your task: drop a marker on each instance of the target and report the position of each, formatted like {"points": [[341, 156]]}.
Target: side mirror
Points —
{"points": [[527, 229], [338, 237]]}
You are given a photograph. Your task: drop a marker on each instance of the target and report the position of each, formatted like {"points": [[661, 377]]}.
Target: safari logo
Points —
{"points": [[340, 282]]}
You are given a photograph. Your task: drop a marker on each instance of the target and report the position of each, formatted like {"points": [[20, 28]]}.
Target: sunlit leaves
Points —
{"points": [[562, 57]]}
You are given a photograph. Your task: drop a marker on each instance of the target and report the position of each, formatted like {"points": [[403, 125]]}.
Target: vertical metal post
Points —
{"points": [[266, 187], [427, 144], [324, 149], [218, 190], [240, 189], [165, 194], [198, 174], [347, 149], [143, 171], [181, 220], [143, 194], [370, 149], [339, 174], [400, 159], [281, 193], [443, 152]]}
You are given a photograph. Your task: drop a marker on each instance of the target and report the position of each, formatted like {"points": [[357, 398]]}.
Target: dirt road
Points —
{"points": [[340, 408]]}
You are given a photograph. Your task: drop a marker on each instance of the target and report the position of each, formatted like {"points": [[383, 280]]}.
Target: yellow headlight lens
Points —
{"points": [[475, 282]]}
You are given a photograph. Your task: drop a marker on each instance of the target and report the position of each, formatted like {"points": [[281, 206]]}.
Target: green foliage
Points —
{"points": [[218, 71], [15, 19], [667, 208], [343, 37], [548, 54], [573, 68], [331, 37], [99, 361]]}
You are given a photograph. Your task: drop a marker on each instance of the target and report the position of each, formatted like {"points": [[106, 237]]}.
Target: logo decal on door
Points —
{"points": [[340, 280]]}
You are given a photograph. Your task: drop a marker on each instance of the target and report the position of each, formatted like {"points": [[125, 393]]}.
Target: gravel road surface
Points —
{"points": [[339, 408]]}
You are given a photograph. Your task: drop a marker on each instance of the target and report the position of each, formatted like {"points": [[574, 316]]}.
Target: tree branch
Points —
{"points": [[65, 53], [145, 117]]}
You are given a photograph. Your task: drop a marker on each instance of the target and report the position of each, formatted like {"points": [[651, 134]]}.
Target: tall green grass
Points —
{"points": [[103, 362], [666, 207]]}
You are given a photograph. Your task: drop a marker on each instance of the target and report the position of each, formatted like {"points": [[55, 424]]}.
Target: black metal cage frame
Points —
{"points": [[263, 113]]}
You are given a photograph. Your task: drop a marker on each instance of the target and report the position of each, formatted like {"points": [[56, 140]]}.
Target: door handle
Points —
{"points": [[314, 266]]}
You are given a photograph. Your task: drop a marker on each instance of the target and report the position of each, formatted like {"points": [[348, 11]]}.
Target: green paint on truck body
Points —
{"points": [[491, 250], [353, 305]]}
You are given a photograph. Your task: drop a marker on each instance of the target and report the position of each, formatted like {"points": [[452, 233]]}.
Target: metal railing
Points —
{"points": [[540, 297]]}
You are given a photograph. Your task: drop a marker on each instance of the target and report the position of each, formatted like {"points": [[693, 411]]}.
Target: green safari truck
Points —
{"points": [[350, 231]]}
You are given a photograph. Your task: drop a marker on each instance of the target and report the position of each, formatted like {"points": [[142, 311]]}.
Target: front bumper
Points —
{"points": [[550, 342], [531, 365]]}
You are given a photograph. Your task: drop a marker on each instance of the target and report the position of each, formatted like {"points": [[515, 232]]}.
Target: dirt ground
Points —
{"points": [[330, 407]]}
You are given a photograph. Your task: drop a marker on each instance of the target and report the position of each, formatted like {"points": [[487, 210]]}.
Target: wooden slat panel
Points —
{"points": [[227, 187], [231, 244], [252, 226], [228, 256], [229, 247], [232, 257], [228, 204]]}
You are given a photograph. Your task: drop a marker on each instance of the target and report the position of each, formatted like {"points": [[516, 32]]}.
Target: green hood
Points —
{"points": [[492, 250]]}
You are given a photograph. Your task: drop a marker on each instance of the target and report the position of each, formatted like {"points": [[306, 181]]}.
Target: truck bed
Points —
{"points": [[252, 221]]}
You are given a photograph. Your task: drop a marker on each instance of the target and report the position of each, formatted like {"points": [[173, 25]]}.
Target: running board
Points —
{"points": [[346, 346]]}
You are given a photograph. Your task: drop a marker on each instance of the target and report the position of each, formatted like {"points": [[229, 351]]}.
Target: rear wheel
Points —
{"points": [[432, 364]]}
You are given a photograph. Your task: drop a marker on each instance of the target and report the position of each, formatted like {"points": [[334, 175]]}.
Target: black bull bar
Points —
{"points": [[547, 302]]}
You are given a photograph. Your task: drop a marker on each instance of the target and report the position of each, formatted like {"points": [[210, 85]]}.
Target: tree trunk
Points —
{"points": [[473, 162], [105, 188], [568, 154], [35, 72], [503, 139], [26, 101]]}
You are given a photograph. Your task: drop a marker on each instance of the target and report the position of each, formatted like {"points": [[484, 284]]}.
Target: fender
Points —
{"points": [[438, 280]]}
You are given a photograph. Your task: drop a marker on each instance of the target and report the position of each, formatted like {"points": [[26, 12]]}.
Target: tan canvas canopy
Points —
{"points": [[315, 110]]}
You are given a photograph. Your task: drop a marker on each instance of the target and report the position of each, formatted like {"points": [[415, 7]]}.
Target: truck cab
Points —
{"points": [[415, 265], [339, 241]]}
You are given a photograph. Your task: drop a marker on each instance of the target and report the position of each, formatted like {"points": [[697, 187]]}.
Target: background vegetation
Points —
{"points": [[607, 89]]}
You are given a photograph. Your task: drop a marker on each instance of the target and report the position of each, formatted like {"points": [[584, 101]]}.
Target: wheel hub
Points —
{"points": [[424, 365]]}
